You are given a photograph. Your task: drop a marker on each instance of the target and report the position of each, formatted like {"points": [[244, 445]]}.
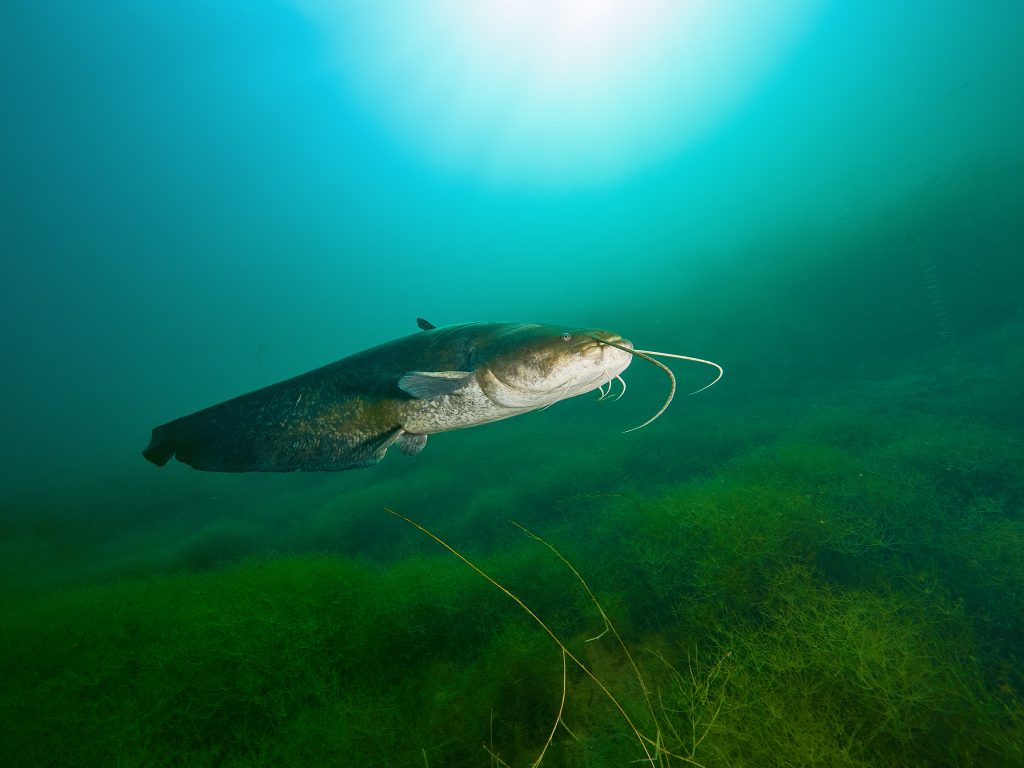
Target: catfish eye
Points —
{"points": [[566, 337]]}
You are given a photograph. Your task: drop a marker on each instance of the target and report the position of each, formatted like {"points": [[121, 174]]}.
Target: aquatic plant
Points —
{"points": [[647, 743], [818, 581]]}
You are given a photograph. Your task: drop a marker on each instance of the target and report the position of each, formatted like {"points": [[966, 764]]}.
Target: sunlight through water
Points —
{"points": [[554, 93]]}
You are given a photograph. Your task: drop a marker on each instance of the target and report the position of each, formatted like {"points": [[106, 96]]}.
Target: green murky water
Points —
{"points": [[819, 561]]}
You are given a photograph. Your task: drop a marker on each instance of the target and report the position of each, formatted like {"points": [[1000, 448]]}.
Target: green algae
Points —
{"points": [[838, 587]]}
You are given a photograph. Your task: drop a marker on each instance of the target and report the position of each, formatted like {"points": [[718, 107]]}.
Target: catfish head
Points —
{"points": [[532, 366]]}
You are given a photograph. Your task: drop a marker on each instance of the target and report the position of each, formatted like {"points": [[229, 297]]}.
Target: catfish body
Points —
{"points": [[346, 415]]}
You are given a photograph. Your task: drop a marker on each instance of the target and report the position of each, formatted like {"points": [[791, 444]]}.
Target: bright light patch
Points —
{"points": [[555, 92]]}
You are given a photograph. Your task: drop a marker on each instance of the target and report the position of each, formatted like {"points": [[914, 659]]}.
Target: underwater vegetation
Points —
{"points": [[816, 562], [838, 584], [819, 561]]}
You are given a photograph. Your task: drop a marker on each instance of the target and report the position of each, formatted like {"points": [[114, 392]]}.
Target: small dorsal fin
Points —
{"points": [[425, 325]]}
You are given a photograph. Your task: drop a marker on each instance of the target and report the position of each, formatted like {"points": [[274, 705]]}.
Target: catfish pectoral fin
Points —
{"points": [[427, 384], [410, 443]]}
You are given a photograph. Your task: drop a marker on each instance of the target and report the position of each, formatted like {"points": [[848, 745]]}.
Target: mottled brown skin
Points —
{"points": [[345, 415]]}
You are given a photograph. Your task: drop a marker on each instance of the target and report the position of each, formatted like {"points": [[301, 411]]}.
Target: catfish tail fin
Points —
{"points": [[161, 446]]}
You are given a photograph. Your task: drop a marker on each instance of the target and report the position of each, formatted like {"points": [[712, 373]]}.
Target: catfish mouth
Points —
{"points": [[599, 339], [607, 354], [646, 354]]}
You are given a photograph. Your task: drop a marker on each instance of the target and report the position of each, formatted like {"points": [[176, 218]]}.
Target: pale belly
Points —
{"points": [[466, 408]]}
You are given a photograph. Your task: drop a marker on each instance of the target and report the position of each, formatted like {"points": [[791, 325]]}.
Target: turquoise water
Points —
{"points": [[817, 561]]}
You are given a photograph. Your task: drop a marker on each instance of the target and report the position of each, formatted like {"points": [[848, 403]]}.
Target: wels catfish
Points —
{"points": [[347, 414]]}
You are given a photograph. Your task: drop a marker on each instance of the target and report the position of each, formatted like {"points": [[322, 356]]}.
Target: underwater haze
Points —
{"points": [[817, 561]]}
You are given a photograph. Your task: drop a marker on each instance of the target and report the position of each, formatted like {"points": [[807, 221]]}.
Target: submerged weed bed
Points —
{"points": [[844, 590]]}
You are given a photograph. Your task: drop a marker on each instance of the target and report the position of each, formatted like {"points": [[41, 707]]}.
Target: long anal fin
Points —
{"points": [[230, 438]]}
